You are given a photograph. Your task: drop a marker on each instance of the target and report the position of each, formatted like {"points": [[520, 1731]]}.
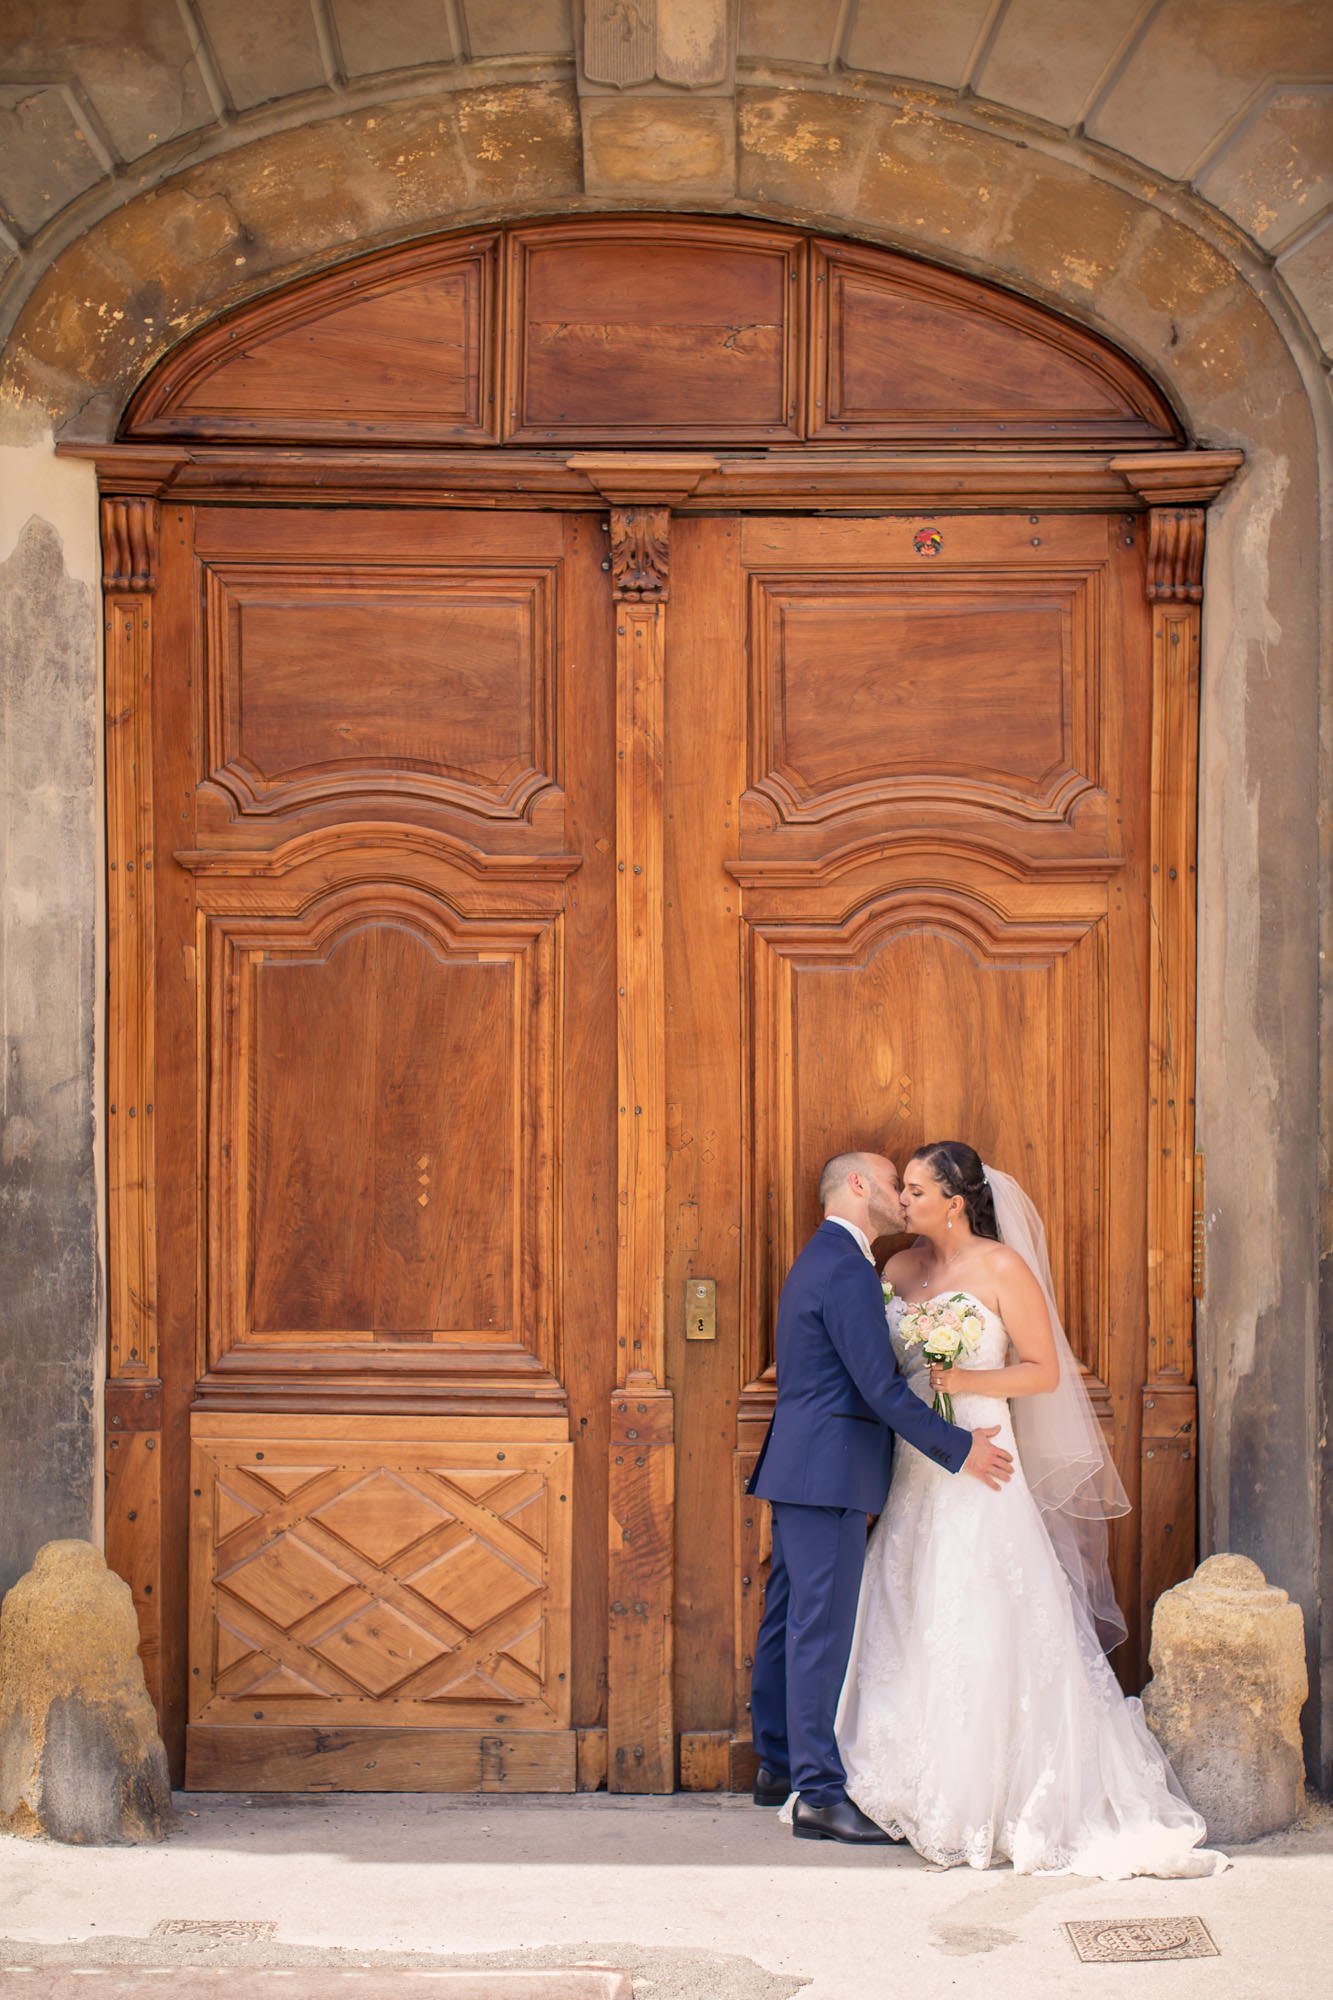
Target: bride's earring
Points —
{"points": [[949, 1223]]}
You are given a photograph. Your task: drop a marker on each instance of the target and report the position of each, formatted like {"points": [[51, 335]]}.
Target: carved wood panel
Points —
{"points": [[384, 1092], [385, 688], [948, 677], [378, 1571], [901, 351], [395, 347], [385, 939], [956, 1007], [463, 818], [648, 329], [929, 703], [633, 329], [935, 903]]}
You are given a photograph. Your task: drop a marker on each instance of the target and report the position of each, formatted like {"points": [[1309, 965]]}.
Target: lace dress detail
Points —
{"points": [[979, 1716]]}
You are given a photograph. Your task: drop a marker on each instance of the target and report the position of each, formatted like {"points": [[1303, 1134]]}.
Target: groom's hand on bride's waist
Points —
{"points": [[990, 1463]]}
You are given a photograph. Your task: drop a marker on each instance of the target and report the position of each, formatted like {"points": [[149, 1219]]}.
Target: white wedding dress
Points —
{"points": [[979, 1716]]}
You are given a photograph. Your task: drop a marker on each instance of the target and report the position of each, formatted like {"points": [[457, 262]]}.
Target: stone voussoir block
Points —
{"points": [[1229, 1681], [81, 1760]]}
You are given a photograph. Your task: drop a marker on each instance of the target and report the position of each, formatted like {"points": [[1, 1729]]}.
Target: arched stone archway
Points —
{"points": [[1060, 221]]}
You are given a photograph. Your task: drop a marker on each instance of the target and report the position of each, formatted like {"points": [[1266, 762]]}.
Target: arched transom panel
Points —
{"points": [[647, 330]]}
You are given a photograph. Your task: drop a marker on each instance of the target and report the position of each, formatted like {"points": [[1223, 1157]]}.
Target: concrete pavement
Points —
{"points": [[694, 1896]]}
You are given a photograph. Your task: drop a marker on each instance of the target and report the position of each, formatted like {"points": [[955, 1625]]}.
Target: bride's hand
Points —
{"points": [[944, 1381]]}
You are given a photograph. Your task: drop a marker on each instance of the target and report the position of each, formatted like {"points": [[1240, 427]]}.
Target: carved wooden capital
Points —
{"points": [[1175, 555], [1178, 486], [639, 552], [129, 543], [1177, 478], [643, 478]]}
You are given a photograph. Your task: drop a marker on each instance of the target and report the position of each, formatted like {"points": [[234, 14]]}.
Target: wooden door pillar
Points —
{"points": [[1178, 490], [641, 1753], [133, 1406]]}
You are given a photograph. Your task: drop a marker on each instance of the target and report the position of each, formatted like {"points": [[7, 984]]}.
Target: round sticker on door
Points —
{"points": [[927, 541]]}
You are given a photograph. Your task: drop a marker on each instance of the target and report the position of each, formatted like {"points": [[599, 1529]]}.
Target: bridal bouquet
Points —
{"points": [[944, 1329]]}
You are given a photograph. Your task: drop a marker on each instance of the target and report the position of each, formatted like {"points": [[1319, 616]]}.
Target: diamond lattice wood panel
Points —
{"points": [[372, 1570]]}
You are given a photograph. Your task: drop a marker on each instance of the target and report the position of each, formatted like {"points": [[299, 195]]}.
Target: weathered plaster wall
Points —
{"points": [[50, 809], [1027, 154]]}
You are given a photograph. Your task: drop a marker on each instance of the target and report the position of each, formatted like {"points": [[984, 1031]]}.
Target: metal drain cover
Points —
{"points": [[214, 1930], [1130, 1940]]}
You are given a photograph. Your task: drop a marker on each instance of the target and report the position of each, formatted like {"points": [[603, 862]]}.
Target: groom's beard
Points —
{"points": [[885, 1222]]}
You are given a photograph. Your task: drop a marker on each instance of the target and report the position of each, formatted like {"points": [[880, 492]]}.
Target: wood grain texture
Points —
{"points": [[640, 651], [1168, 1496], [753, 1541], [131, 954], [1171, 998], [459, 711], [705, 1760], [1169, 1473], [129, 544], [710, 330], [395, 347], [178, 1115], [378, 1579], [291, 1758], [1175, 554], [458, 858], [451, 919], [701, 329], [900, 350], [134, 1538], [132, 1403], [705, 1162], [639, 538], [937, 944], [641, 1744], [963, 478], [928, 702], [591, 1760], [338, 1230], [641, 1498]]}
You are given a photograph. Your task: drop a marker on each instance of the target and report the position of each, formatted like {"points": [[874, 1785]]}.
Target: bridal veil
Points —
{"points": [[1068, 1469]]}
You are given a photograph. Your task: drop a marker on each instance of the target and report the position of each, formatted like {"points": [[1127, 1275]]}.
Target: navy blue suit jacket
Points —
{"points": [[840, 1395]]}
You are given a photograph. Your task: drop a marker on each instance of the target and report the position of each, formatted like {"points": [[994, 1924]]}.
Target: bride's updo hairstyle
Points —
{"points": [[959, 1171]]}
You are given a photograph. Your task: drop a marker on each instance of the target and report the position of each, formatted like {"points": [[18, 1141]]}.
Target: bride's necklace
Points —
{"points": [[946, 1264]]}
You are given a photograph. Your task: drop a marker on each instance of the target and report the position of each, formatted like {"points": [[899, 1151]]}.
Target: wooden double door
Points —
{"points": [[540, 897]]}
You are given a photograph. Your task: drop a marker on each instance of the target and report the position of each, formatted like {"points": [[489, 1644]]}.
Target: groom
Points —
{"points": [[824, 1466]]}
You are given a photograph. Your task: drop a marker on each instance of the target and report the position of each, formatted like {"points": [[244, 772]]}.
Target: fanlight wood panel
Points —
{"points": [[398, 349], [901, 351], [650, 329], [370, 1570], [935, 1010], [398, 684], [384, 1089], [693, 335], [981, 690]]}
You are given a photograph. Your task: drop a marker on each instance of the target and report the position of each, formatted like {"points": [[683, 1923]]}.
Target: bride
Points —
{"points": [[979, 1717]]}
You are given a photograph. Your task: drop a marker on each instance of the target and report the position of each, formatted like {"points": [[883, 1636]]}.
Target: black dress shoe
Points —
{"points": [[771, 1788], [840, 1821]]}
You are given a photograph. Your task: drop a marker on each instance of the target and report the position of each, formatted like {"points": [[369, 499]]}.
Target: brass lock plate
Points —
{"points": [[701, 1309]]}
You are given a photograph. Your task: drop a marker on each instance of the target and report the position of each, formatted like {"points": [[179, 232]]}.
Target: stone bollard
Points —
{"points": [[1229, 1681], [80, 1756]]}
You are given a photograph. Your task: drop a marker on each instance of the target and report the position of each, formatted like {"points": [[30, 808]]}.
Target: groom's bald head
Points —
{"points": [[839, 1170]]}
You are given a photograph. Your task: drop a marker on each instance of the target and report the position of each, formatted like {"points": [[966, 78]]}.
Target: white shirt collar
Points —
{"points": [[862, 1239]]}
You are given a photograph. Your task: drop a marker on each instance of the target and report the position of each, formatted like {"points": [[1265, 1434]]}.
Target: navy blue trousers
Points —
{"points": [[804, 1642]]}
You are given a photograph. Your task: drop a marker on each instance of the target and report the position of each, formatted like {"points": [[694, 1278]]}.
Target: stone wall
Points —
{"points": [[1155, 174], [50, 726]]}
